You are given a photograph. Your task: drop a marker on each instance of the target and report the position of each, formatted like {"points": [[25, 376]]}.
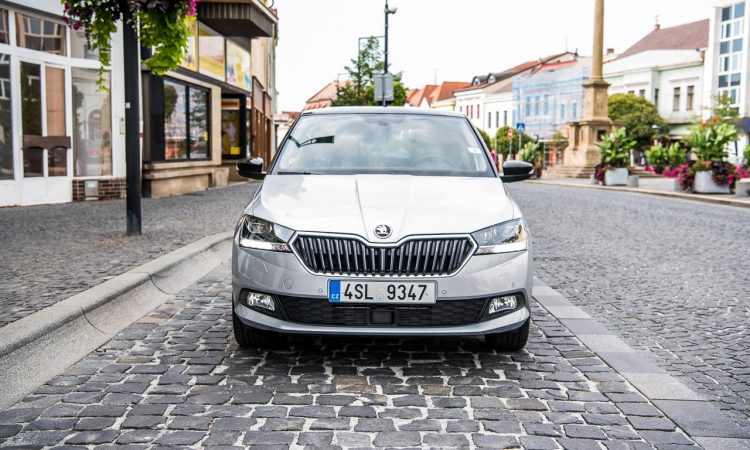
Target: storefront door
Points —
{"points": [[43, 144]]}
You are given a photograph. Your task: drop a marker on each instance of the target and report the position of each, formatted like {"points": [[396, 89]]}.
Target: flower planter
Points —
{"points": [[616, 177], [676, 186], [705, 184], [633, 181]]}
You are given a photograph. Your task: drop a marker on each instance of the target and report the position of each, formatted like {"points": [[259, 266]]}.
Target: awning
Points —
{"points": [[240, 18]]}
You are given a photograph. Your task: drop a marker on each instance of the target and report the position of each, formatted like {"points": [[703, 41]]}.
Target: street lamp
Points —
{"points": [[388, 11]]}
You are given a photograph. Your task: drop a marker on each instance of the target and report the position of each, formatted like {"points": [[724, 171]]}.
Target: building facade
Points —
{"points": [[550, 95], [62, 137], [667, 68], [726, 67]]}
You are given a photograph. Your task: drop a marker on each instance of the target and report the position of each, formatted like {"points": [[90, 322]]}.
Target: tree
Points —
{"points": [[639, 116], [360, 89], [486, 138], [503, 143], [724, 110]]}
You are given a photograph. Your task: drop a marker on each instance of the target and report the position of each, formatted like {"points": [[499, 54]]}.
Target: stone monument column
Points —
{"points": [[583, 151]]}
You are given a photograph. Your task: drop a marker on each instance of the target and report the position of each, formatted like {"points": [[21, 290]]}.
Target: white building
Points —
{"points": [[726, 67], [666, 67]]}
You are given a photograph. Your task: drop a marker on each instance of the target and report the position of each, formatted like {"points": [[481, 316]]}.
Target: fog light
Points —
{"points": [[505, 303], [258, 300]]}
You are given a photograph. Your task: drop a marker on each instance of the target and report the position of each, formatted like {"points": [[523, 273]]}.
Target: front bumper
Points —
{"points": [[282, 274]]}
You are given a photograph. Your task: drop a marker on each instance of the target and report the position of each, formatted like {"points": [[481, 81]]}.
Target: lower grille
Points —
{"points": [[443, 313]]}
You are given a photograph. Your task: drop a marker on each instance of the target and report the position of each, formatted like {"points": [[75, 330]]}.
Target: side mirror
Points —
{"points": [[251, 168], [516, 171]]}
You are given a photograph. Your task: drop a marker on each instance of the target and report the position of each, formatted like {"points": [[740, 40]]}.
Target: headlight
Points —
{"points": [[263, 235], [504, 237]]}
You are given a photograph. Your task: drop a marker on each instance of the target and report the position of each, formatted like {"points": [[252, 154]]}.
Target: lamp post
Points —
{"points": [[388, 12], [132, 135]]}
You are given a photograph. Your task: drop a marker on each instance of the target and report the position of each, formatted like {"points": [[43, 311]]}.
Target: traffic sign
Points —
{"points": [[510, 133], [520, 126]]}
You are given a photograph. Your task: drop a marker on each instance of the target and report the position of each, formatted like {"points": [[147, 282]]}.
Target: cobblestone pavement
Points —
{"points": [[668, 276], [177, 378], [51, 252]]}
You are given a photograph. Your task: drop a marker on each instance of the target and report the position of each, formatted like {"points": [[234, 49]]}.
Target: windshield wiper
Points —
{"points": [[294, 172], [316, 140]]}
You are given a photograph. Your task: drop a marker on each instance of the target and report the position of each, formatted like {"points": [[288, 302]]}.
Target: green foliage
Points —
{"points": [[709, 140], [486, 138], [360, 89], [658, 156], [747, 155], [639, 116], [616, 148], [530, 152], [164, 28], [502, 141], [676, 155], [558, 142]]}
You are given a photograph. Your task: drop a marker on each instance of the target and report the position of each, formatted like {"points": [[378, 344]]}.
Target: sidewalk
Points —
{"points": [[53, 252], [651, 186]]}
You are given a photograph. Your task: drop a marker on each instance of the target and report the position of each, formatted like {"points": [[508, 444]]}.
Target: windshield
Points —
{"points": [[382, 143]]}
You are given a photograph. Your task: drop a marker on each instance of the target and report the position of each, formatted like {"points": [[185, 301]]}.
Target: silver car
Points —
{"points": [[381, 222]]}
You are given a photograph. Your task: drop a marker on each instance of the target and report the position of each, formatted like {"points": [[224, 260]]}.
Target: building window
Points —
{"points": [[505, 118], [186, 134], [574, 111], [536, 105], [92, 125], [461, 108], [656, 97], [4, 38], [489, 120], [6, 121], [731, 52], [642, 93], [546, 104], [40, 34], [676, 99], [690, 97], [471, 111], [497, 119], [631, 92], [562, 112], [528, 105], [479, 115]]}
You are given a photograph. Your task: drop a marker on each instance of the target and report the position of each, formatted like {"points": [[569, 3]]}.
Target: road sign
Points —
{"points": [[383, 87], [520, 126], [510, 133]]}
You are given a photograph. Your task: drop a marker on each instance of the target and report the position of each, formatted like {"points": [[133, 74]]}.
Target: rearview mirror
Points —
{"points": [[251, 168], [516, 171]]}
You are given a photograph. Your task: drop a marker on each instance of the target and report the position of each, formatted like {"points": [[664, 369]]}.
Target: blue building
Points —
{"points": [[551, 95]]}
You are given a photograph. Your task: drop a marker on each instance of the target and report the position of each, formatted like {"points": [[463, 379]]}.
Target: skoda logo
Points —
{"points": [[382, 231]]}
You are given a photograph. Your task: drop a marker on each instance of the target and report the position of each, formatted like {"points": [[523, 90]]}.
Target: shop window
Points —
{"points": [[92, 126], [6, 121], [79, 47], [4, 38], [31, 99], [186, 134], [40, 34]]}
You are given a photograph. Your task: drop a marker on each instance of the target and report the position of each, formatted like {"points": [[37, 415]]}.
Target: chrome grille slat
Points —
{"points": [[415, 257]]}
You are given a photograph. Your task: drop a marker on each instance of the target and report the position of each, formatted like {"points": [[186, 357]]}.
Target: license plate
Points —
{"points": [[353, 291]]}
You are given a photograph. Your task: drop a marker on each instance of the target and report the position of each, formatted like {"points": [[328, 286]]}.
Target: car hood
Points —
{"points": [[356, 204]]}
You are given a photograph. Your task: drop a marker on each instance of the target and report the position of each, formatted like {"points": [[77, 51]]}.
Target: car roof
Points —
{"points": [[379, 110]]}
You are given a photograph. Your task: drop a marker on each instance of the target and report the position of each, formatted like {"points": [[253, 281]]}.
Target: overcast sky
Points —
{"points": [[459, 39]]}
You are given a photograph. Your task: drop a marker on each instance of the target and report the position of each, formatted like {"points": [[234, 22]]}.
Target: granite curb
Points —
{"points": [[699, 419], [38, 346], [679, 195]]}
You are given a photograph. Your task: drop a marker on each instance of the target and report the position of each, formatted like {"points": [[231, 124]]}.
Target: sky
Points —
{"points": [[447, 40]]}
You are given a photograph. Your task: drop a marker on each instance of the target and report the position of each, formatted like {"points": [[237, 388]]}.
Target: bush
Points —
{"points": [[676, 155], [530, 152], [503, 142], [710, 139], [639, 116], [616, 148], [658, 157]]}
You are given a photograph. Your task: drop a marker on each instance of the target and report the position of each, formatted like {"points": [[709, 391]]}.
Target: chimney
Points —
{"points": [[610, 51], [657, 27]]}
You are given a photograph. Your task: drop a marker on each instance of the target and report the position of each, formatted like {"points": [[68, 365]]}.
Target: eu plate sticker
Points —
{"points": [[334, 291]]}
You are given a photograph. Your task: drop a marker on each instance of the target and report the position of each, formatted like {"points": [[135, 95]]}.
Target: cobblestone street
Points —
{"points": [[176, 378], [668, 276], [52, 252]]}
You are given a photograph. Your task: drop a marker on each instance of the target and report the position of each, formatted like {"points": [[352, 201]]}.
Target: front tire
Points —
{"points": [[249, 337], [510, 341]]}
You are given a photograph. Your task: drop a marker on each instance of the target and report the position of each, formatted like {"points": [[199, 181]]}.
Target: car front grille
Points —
{"points": [[314, 311], [349, 256]]}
